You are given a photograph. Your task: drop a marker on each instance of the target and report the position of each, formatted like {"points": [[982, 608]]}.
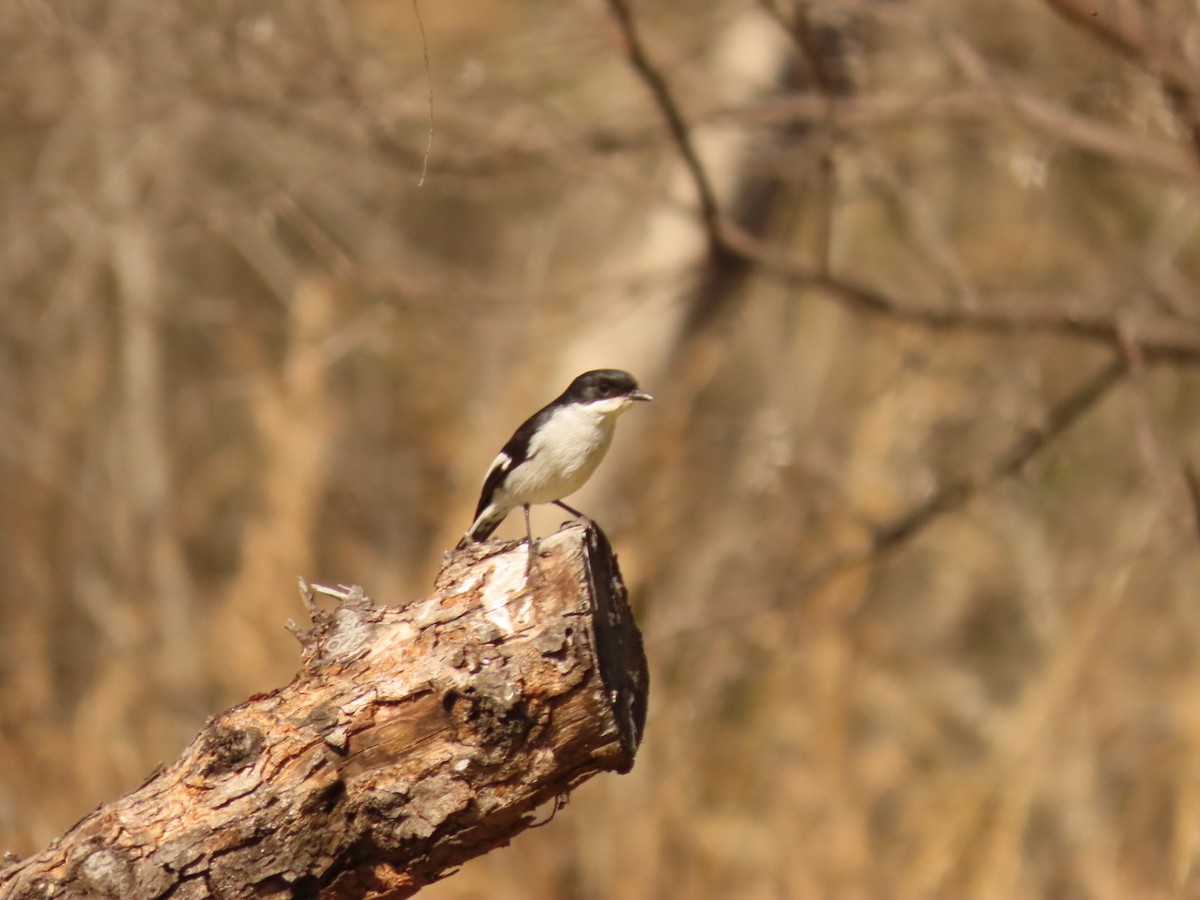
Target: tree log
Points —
{"points": [[411, 740]]}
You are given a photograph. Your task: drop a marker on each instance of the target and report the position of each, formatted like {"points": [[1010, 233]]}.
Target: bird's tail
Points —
{"points": [[481, 529]]}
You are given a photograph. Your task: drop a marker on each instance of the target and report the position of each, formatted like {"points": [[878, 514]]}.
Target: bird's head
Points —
{"points": [[607, 391]]}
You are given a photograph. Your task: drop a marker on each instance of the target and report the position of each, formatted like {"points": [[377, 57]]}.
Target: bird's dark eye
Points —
{"points": [[604, 389]]}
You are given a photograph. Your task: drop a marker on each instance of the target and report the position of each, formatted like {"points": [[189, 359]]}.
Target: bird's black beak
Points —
{"points": [[640, 395]]}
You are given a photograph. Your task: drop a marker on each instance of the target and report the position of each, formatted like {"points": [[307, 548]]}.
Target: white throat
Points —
{"points": [[609, 406]]}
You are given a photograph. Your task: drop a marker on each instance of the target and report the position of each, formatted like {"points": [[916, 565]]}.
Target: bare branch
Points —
{"points": [[1133, 31], [1166, 346], [678, 126], [887, 109], [955, 494], [1156, 345]]}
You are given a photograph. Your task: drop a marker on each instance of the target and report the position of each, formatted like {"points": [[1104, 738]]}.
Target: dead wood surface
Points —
{"points": [[411, 740]]}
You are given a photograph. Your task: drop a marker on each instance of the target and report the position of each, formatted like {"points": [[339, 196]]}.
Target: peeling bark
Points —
{"points": [[412, 739]]}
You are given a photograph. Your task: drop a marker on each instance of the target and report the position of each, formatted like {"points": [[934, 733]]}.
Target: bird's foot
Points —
{"points": [[531, 558]]}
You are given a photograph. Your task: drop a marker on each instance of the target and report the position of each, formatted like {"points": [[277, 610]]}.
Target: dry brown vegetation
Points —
{"points": [[917, 286]]}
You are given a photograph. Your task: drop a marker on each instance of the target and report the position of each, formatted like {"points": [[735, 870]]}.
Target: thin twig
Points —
{"points": [[429, 83], [889, 538], [1132, 30], [1149, 446], [827, 71], [680, 132], [726, 239], [955, 494], [1193, 485], [1162, 345]]}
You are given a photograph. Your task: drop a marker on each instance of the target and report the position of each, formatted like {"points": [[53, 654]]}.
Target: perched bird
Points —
{"points": [[555, 451]]}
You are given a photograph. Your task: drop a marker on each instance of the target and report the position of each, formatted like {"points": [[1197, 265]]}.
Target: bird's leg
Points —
{"points": [[576, 513], [532, 545]]}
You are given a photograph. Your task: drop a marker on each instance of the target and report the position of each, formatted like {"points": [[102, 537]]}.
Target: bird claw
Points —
{"points": [[531, 558]]}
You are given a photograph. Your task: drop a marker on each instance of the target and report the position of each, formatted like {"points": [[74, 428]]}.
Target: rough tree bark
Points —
{"points": [[411, 740]]}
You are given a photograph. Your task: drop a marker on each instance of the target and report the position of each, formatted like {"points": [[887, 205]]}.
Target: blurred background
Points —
{"points": [[916, 284]]}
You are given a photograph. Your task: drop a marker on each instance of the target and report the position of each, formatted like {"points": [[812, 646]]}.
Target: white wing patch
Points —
{"points": [[501, 462]]}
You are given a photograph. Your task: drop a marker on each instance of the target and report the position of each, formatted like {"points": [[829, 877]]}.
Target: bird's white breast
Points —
{"points": [[565, 452]]}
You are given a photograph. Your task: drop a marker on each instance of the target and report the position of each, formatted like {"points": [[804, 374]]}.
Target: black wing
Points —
{"points": [[517, 451]]}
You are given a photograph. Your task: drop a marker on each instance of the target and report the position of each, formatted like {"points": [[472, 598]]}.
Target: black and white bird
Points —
{"points": [[555, 451]]}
